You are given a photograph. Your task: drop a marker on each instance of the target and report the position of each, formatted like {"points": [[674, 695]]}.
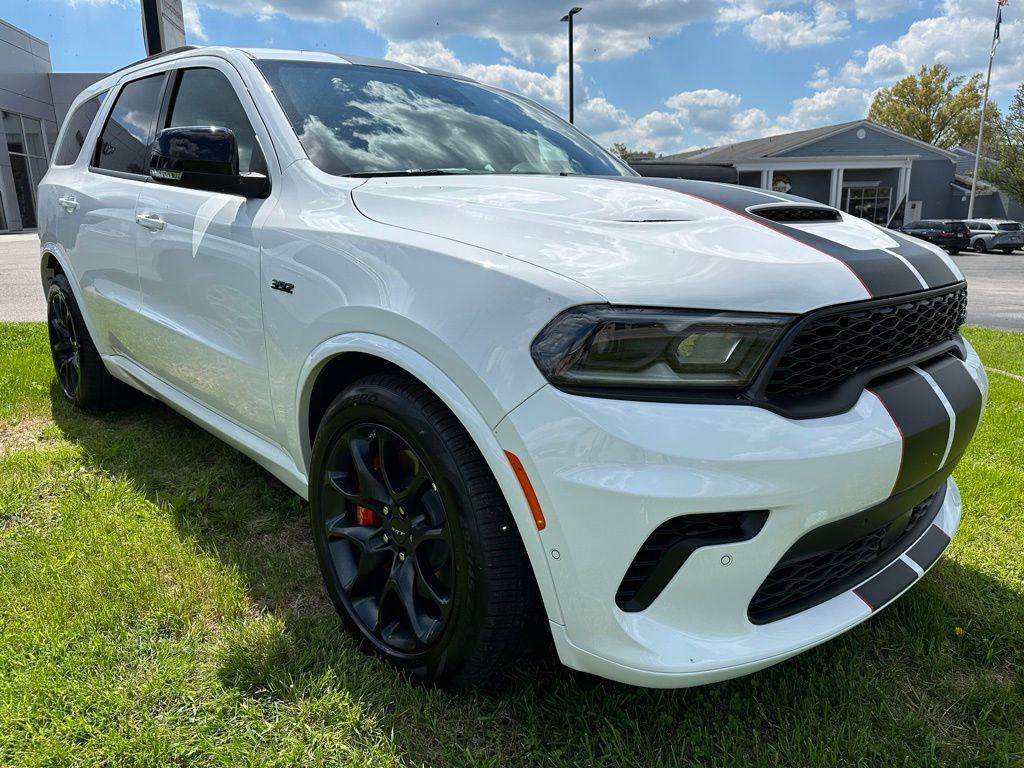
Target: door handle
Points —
{"points": [[150, 221], [69, 204]]}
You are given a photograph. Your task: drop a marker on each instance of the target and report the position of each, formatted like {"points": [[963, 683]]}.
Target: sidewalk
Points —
{"points": [[21, 295]]}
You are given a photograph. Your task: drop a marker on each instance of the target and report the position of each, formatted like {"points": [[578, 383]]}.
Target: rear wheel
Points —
{"points": [[417, 546], [981, 246], [81, 374]]}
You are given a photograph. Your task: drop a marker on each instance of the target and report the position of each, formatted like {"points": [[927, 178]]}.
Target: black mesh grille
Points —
{"points": [[795, 214], [683, 535], [834, 346], [799, 584]]}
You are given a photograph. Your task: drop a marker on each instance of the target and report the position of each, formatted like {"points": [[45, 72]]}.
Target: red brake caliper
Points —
{"points": [[365, 515]]}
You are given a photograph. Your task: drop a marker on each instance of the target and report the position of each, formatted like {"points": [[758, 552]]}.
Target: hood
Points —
{"points": [[662, 242]]}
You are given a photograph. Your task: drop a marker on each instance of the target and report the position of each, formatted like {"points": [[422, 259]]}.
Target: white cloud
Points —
{"points": [[193, 24], [701, 117], [958, 37], [797, 29], [528, 29]]}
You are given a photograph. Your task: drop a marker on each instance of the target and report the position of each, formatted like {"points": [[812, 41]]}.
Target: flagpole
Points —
{"points": [[981, 121]]}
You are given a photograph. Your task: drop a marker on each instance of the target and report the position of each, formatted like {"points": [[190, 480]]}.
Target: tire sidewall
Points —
{"points": [[61, 286], [377, 403]]}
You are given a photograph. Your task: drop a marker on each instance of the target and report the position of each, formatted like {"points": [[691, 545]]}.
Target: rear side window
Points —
{"points": [[1010, 226], [125, 140], [78, 124], [206, 97]]}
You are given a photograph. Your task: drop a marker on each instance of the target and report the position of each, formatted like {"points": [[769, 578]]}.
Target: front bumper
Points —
{"points": [[607, 473]]}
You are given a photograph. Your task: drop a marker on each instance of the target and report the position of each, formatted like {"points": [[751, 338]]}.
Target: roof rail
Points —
{"points": [[156, 56]]}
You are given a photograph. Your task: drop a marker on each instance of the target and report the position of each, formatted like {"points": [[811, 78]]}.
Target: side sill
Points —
{"points": [[265, 453]]}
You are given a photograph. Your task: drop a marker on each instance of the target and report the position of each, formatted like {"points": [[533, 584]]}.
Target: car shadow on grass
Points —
{"points": [[906, 687]]}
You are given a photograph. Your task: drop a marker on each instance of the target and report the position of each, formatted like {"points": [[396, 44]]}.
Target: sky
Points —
{"points": [[660, 75]]}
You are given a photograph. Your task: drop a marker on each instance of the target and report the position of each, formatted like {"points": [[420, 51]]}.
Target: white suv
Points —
{"points": [[684, 429]]}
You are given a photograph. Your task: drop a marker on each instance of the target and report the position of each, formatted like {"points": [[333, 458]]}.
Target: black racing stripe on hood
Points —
{"points": [[932, 267], [881, 273]]}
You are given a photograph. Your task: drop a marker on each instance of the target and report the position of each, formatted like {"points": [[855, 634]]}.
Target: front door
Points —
{"points": [[201, 326]]}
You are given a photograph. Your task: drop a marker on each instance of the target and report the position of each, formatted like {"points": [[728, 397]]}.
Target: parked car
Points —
{"points": [[683, 429], [995, 235], [953, 236]]}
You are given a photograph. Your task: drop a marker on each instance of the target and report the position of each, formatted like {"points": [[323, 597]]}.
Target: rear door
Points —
{"points": [[96, 212], [199, 261]]}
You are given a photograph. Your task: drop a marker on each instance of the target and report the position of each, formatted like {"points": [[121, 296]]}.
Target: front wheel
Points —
{"points": [[416, 544], [981, 246]]}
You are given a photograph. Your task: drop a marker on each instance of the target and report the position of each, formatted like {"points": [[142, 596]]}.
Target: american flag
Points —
{"points": [[999, 20]]}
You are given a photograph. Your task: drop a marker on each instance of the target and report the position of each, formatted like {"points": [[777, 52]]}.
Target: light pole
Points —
{"points": [[568, 17]]}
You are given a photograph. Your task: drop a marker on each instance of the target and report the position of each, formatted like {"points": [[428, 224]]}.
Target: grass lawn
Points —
{"points": [[159, 605]]}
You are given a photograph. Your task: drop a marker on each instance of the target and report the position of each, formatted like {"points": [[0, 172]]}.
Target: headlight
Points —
{"points": [[601, 346]]}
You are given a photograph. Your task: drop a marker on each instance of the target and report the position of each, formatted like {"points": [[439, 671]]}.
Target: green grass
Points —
{"points": [[159, 606]]}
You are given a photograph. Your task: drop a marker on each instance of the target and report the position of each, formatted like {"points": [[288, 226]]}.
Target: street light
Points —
{"points": [[568, 17]]}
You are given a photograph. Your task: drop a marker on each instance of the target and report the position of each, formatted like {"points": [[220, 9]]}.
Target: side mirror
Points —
{"points": [[201, 157]]}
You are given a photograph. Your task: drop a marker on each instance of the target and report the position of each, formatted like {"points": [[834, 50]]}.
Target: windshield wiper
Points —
{"points": [[410, 172]]}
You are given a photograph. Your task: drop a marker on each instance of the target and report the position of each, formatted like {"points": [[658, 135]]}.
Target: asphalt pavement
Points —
{"points": [[996, 285], [21, 294]]}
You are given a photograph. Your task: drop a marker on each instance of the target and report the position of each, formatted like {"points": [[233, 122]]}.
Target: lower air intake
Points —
{"points": [[669, 546], [802, 581]]}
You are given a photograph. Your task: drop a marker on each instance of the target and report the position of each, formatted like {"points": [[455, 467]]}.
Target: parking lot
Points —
{"points": [[996, 285]]}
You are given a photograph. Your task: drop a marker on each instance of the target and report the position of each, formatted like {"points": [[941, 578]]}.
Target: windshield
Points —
{"points": [[369, 120]]}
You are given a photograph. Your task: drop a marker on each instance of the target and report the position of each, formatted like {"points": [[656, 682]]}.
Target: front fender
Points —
{"points": [[468, 415]]}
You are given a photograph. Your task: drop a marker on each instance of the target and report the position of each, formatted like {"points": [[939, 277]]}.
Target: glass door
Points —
{"points": [[871, 203], [27, 150]]}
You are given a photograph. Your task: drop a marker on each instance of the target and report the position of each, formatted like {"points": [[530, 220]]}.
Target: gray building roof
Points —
{"points": [[772, 146], [755, 149]]}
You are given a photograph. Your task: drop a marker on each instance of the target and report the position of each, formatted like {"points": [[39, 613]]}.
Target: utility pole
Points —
{"points": [[568, 17]]}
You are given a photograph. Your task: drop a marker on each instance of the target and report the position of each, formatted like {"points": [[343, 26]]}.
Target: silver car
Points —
{"points": [[995, 235]]}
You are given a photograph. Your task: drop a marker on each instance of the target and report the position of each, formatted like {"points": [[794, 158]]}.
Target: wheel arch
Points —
{"points": [[344, 359]]}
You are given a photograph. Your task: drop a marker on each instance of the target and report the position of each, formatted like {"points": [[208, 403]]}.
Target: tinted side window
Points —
{"points": [[206, 97], [125, 140], [78, 124]]}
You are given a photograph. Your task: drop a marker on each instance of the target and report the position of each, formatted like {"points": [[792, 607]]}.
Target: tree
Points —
{"points": [[626, 154], [1008, 172], [934, 107]]}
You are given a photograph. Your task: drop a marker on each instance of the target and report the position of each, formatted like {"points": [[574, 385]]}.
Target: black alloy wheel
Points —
{"points": [[81, 373], [418, 549], [64, 347], [389, 538]]}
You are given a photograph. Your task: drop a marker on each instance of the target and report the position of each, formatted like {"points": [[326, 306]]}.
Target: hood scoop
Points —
{"points": [[796, 214]]}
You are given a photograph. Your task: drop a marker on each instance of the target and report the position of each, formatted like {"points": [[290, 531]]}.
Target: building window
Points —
{"points": [[3, 221], [871, 203], [27, 150]]}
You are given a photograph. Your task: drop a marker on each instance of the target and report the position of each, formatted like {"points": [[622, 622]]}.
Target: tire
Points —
{"points": [[980, 246], [1008, 251], [81, 375], [397, 487], [954, 251]]}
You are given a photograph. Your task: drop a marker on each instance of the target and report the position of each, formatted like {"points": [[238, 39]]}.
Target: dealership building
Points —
{"points": [[33, 103], [861, 167]]}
